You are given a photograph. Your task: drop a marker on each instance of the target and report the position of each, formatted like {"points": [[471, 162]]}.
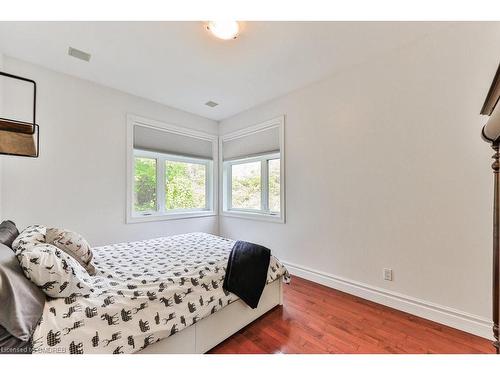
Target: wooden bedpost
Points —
{"points": [[496, 245], [491, 134]]}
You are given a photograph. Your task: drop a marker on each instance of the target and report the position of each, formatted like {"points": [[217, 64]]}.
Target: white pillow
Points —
{"points": [[54, 271], [28, 238]]}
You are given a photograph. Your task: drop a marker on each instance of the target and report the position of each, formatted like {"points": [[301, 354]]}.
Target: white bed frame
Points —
{"points": [[212, 330]]}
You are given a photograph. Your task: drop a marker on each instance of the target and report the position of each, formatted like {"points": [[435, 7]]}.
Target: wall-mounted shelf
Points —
{"points": [[20, 138]]}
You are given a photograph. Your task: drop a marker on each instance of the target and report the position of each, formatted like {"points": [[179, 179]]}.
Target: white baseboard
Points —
{"points": [[461, 320]]}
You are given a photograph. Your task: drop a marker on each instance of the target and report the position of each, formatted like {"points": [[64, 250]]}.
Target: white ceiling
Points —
{"points": [[181, 65]]}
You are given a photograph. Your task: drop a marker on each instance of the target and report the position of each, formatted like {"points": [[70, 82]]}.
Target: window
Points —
{"points": [[252, 172], [274, 166], [163, 183], [255, 185], [145, 184], [185, 185], [246, 186]]}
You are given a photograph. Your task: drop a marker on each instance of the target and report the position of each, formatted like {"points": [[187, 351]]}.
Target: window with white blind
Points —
{"points": [[253, 172], [170, 172]]}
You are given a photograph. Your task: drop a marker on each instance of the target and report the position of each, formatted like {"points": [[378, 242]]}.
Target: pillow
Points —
{"points": [[8, 233], [55, 272], [73, 244], [28, 238], [21, 301]]}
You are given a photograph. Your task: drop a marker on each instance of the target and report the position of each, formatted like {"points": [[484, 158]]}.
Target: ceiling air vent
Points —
{"points": [[211, 104], [79, 54]]}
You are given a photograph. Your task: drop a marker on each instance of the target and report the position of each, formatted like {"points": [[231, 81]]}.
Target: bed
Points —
{"points": [[162, 295]]}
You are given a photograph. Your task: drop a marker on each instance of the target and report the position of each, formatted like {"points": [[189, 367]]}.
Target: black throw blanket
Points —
{"points": [[246, 271]]}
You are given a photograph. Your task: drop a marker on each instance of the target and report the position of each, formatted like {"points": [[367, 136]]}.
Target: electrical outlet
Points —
{"points": [[387, 274]]}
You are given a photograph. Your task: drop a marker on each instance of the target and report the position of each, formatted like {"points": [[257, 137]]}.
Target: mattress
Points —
{"points": [[145, 291]]}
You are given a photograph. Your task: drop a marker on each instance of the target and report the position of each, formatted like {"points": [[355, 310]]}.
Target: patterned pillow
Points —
{"points": [[29, 238], [73, 244], [54, 271]]}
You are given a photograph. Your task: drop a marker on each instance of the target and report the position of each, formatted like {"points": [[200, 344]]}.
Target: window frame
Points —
{"points": [[225, 208], [264, 183], [162, 214]]}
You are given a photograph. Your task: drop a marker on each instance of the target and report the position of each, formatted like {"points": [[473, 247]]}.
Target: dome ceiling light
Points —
{"points": [[225, 30]]}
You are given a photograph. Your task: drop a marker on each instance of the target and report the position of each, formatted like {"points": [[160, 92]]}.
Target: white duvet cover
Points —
{"points": [[146, 291]]}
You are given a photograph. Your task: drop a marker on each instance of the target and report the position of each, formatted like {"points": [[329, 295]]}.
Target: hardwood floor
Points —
{"points": [[317, 319]]}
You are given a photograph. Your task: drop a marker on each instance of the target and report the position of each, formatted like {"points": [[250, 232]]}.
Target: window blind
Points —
{"points": [[254, 144], [168, 142]]}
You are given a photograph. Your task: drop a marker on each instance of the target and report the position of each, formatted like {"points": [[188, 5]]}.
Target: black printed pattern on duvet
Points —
{"points": [[146, 291]]}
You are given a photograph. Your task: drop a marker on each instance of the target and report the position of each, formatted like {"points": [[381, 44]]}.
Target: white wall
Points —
{"points": [[385, 168], [78, 181]]}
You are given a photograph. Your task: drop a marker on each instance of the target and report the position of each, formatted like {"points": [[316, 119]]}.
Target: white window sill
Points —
{"points": [[171, 216], [254, 216]]}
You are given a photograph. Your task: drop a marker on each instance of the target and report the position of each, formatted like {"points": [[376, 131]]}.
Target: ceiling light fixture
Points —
{"points": [[224, 29]]}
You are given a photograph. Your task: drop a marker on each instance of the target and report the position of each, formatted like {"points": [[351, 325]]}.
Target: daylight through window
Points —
{"points": [[253, 184], [183, 185]]}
